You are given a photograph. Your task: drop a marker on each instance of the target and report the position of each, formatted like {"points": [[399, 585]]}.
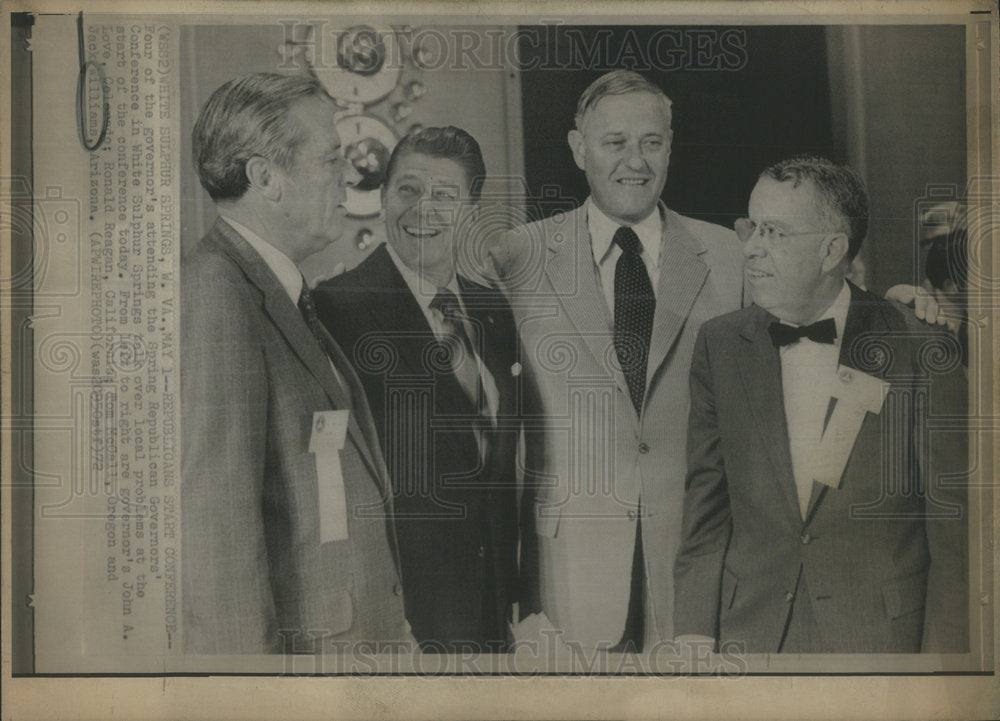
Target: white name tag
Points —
{"points": [[857, 395], [329, 431]]}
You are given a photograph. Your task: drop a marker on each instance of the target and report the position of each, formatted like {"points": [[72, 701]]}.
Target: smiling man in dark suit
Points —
{"points": [[284, 492], [439, 357], [825, 508]]}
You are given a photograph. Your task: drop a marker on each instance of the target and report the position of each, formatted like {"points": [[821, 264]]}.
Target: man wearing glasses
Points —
{"points": [[609, 299], [825, 508]]}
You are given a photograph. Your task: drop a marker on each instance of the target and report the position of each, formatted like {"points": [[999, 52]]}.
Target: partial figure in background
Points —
{"points": [[826, 506], [440, 359], [284, 492], [946, 271]]}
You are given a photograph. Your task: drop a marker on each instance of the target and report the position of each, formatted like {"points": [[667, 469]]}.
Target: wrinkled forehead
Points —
{"points": [[641, 106]]}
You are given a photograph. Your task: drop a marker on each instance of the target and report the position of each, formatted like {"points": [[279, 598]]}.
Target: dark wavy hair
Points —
{"points": [[448, 142], [248, 116]]}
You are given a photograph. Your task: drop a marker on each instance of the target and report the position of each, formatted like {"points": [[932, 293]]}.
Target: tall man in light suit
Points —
{"points": [[608, 320], [826, 500], [285, 496]]}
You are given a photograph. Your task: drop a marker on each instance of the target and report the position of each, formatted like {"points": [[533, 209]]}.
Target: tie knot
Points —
{"points": [[627, 240], [446, 303], [823, 331]]}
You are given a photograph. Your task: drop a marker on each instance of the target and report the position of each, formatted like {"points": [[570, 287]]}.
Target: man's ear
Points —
{"points": [[834, 251], [578, 146], [263, 178]]}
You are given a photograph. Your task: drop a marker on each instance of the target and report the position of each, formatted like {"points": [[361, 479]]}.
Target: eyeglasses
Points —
{"points": [[746, 228]]}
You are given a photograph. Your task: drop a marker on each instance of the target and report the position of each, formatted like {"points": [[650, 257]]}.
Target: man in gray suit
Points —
{"points": [[287, 543], [826, 506]]}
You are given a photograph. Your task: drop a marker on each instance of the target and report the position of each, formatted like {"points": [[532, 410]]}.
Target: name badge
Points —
{"points": [[329, 431], [857, 394]]}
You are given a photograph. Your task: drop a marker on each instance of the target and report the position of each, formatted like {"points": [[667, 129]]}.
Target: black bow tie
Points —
{"points": [[823, 331]]}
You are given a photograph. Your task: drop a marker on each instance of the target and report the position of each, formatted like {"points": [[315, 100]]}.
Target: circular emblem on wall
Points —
{"points": [[366, 67], [367, 142]]}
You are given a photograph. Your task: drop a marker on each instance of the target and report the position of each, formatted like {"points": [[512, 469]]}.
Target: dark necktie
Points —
{"points": [[823, 331], [308, 310], [635, 305], [463, 360]]}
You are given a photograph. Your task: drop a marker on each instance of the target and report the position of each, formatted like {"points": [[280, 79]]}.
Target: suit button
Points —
{"points": [[789, 597], [630, 515], [643, 447], [397, 590], [805, 538], [481, 552]]}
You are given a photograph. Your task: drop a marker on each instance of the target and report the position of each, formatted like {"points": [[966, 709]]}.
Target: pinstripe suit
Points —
{"points": [[256, 576]]}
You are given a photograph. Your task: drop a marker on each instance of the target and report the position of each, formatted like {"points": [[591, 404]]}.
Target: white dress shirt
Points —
{"points": [[607, 252], [805, 367], [280, 264], [287, 272]]}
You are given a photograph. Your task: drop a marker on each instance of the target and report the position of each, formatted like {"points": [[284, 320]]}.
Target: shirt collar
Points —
{"points": [[602, 232], [280, 264], [422, 291], [837, 310]]}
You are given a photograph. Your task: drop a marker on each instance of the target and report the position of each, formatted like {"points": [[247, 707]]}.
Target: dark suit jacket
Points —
{"points": [[256, 576], [456, 517], [884, 555]]}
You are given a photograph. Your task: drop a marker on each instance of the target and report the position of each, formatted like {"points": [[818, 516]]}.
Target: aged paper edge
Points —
{"points": [[793, 696]]}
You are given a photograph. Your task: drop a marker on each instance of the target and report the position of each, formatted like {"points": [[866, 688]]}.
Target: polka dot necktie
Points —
{"points": [[635, 305]]}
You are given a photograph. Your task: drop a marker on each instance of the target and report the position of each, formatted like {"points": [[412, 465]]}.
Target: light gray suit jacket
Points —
{"points": [[256, 576], [600, 456]]}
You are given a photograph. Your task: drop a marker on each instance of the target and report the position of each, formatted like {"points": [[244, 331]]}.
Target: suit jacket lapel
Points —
{"points": [[496, 348], [570, 269], [682, 274], [498, 351], [861, 318], [394, 312], [401, 311], [762, 380], [290, 323]]}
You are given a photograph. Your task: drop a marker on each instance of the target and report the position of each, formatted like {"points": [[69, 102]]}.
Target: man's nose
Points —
{"points": [[753, 247], [634, 159], [436, 213]]}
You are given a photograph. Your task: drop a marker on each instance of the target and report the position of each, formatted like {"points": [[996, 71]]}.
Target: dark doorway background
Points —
{"points": [[729, 124]]}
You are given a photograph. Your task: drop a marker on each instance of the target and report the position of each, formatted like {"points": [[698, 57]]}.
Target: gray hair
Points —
{"points": [[247, 117], [617, 82]]}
